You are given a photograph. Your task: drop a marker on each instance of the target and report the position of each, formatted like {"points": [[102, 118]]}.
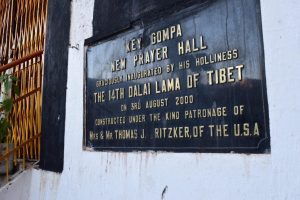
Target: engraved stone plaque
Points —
{"points": [[193, 81]]}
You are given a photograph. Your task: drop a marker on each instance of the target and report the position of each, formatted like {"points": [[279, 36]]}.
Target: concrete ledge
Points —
{"points": [[18, 188]]}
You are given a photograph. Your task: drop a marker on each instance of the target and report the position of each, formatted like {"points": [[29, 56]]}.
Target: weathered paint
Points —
{"points": [[54, 85], [150, 175]]}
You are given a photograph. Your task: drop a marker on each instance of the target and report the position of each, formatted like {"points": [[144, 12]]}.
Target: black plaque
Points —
{"points": [[192, 81]]}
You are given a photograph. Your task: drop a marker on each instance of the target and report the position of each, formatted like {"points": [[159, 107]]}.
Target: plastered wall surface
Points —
{"points": [[199, 176], [18, 188]]}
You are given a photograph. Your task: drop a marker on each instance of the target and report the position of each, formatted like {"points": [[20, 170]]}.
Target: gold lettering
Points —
{"points": [[190, 46], [139, 90], [224, 75], [239, 67], [99, 97], [168, 85], [118, 65], [256, 129], [151, 56], [166, 34]]}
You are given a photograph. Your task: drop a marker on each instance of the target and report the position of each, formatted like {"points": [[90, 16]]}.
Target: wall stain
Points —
{"points": [[164, 192]]}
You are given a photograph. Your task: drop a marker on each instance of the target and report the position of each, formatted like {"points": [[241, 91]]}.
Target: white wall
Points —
{"points": [[144, 175]]}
